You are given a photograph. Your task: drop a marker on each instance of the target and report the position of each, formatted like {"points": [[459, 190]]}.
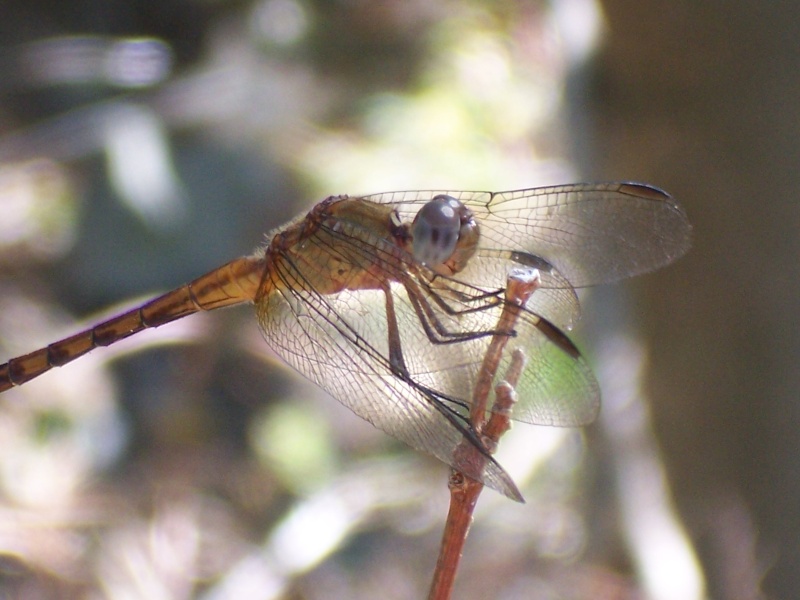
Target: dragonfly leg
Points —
{"points": [[473, 300], [396, 361], [436, 331], [454, 410]]}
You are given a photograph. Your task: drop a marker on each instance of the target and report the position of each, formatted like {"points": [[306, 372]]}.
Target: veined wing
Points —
{"points": [[557, 386], [591, 233], [341, 342]]}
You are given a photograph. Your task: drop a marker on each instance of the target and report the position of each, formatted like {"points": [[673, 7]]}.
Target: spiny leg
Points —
{"points": [[399, 369], [436, 332]]}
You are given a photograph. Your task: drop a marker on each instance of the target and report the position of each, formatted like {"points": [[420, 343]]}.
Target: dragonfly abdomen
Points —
{"points": [[233, 283]]}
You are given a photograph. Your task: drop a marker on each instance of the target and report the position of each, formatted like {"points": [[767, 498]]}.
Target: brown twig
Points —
{"points": [[464, 492]]}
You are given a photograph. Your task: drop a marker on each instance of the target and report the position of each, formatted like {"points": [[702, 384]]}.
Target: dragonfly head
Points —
{"points": [[444, 235]]}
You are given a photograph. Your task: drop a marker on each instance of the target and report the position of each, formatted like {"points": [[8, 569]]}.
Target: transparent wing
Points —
{"points": [[341, 342], [557, 386], [555, 301], [591, 233]]}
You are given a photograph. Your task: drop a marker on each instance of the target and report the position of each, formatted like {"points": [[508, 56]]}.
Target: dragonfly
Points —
{"points": [[388, 302]]}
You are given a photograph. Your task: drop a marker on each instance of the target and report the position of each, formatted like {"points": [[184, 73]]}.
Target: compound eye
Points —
{"points": [[436, 230]]}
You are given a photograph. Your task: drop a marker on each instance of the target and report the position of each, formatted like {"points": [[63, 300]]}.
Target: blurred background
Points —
{"points": [[144, 143]]}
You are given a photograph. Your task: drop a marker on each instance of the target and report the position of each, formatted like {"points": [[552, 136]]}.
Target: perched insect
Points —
{"points": [[389, 301]]}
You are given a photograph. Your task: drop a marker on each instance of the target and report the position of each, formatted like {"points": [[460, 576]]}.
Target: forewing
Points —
{"points": [[591, 233], [556, 300]]}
